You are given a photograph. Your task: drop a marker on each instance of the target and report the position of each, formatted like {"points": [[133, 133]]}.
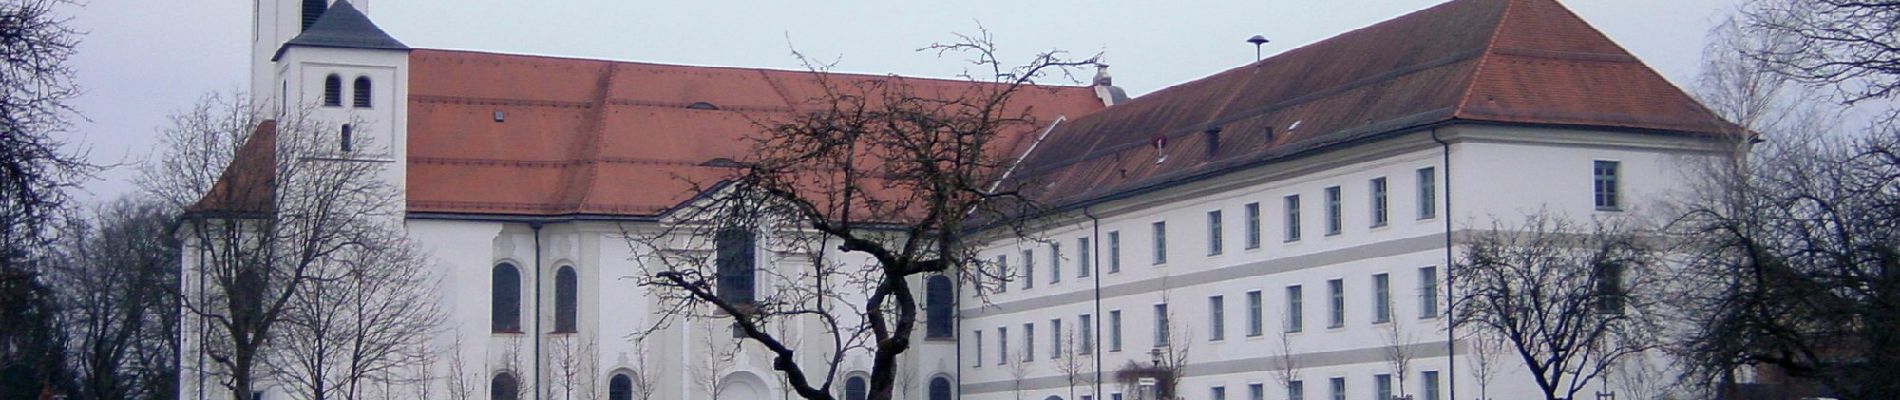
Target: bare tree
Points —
{"points": [[646, 380], [1485, 352], [1571, 300], [1848, 45], [1289, 371], [1018, 374], [114, 271], [1077, 367], [1168, 360], [1794, 264], [359, 319], [35, 169], [719, 358], [463, 384], [574, 369], [273, 204], [1400, 349], [422, 371], [885, 169]]}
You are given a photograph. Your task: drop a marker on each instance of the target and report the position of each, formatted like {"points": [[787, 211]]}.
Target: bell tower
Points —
{"points": [[274, 22]]}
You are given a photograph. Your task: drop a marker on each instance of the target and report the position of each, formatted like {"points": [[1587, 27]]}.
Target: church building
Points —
{"points": [[1291, 213]]}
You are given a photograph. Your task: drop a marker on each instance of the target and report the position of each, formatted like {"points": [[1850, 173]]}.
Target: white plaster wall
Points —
{"points": [[1497, 171]]}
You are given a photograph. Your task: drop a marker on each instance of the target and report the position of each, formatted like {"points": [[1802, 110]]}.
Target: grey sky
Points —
{"points": [[145, 59]]}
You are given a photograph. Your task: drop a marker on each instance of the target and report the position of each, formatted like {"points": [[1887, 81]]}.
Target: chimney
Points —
{"points": [[1105, 87]]}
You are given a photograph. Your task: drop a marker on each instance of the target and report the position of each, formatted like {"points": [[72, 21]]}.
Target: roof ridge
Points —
{"points": [[865, 75], [1484, 57]]}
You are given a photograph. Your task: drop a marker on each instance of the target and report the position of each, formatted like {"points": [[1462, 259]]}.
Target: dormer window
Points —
{"points": [[361, 93], [333, 91]]}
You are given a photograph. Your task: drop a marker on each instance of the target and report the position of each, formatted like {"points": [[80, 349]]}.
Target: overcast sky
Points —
{"points": [[142, 60]]}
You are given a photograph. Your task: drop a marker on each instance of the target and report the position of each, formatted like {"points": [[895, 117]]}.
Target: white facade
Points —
{"points": [[1478, 173], [1495, 173]]}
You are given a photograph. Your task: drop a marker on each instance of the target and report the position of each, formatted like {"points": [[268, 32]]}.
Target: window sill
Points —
{"points": [[1609, 209], [1378, 225]]}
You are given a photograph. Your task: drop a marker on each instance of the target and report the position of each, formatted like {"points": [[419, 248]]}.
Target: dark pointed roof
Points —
{"points": [[342, 26], [1521, 62]]}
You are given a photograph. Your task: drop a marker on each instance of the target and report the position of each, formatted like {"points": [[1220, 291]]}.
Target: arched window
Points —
{"points": [[361, 93], [620, 388], [940, 388], [565, 285], [938, 303], [347, 138], [333, 91], [855, 389], [507, 299], [736, 264], [504, 387]]}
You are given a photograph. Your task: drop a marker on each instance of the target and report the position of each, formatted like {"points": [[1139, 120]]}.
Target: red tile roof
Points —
{"points": [[245, 188], [606, 138], [1486, 61]]}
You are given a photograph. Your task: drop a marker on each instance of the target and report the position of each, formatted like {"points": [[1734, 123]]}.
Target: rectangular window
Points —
{"points": [[1082, 262], [738, 264], [1427, 292], [1055, 262], [1255, 314], [1216, 318], [1379, 213], [1334, 216], [1339, 388], [1029, 342], [1160, 242], [1161, 325], [1427, 193], [1114, 251], [1256, 391], [1115, 330], [1217, 393], [1002, 345], [1293, 218], [1605, 173], [1055, 338], [977, 338], [1253, 225], [1085, 331], [1114, 396], [1029, 269], [1337, 290], [1295, 309], [1609, 288], [1431, 385], [1382, 387], [1214, 233], [1003, 276], [1296, 390], [1381, 298]]}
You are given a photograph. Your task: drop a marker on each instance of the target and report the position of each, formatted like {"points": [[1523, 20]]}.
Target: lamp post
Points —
{"points": [[1153, 383], [1257, 40]]}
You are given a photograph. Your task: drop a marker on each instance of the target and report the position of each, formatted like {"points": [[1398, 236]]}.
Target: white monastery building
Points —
{"points": [[1308, 201]]}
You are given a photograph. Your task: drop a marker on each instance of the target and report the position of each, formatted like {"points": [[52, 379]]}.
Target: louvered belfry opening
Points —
{"points": [[313, 9]]}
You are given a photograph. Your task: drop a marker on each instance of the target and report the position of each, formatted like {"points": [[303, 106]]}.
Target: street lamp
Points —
{"points": [[1257, 40]]}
